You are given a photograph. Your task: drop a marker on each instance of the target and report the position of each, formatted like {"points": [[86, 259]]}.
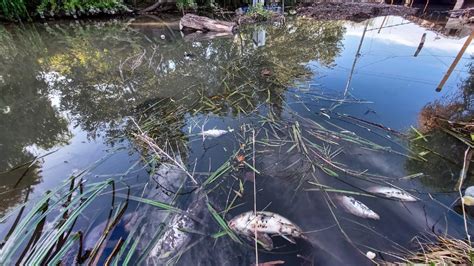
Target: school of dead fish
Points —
{"points": [[267, 224], [262, 224]]}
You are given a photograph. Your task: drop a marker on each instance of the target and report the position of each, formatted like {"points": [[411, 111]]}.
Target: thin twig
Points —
{"points": [[465, 168], [254, 196], [156, 149]]}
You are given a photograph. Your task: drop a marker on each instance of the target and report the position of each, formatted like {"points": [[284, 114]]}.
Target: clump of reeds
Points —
{"points": [[443, 251]]}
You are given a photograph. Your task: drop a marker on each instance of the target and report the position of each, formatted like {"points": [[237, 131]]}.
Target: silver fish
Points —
{"points": [[167, 179], [265, 223], [391, 192], [175, 238], [214, 133], [355, 207], [468, 197]]}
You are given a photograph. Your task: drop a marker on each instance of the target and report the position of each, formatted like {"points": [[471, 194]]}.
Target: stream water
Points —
{"points": [[317, 104]]}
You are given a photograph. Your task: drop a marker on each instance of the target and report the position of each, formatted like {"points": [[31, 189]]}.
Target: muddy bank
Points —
{"points": [[352, 11]]}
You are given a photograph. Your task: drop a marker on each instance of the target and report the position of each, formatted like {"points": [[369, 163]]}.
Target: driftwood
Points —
{"points": [[196, 22]]}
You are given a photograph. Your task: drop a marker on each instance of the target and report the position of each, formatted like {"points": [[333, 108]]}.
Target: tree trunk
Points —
{"points": [[152, 7], [195, 22]]}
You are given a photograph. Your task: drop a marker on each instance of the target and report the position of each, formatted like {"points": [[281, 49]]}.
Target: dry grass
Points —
{"points": [[443, 251], [429, 117]]}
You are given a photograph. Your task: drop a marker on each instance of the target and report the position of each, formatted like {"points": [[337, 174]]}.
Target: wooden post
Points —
{"points": [[381, 25], [459, 5], [426, 6], [455, 62], [356, 57], [420, 46]]}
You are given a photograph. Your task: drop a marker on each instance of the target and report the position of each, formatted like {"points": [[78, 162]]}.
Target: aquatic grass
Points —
{"points": [[29, 221], [223, 224], [153, 203], [341, 191], [149, 246], [114, 252], [225, 167], [112, 221], [131, 251], [64, 249], [67, 205], [420, 135], [47, 242], [130, 237]]}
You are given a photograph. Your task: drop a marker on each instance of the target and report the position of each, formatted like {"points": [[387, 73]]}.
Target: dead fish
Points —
{"points": [[175, 237], [265, 223], [391, 192], [355, 207], [468, 197], [214, 133]]}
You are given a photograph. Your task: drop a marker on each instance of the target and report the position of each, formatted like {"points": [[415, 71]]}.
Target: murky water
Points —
{"points": [[311, 103]]}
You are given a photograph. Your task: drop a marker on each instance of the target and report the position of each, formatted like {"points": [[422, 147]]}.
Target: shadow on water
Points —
{"points": [[127, 89]]}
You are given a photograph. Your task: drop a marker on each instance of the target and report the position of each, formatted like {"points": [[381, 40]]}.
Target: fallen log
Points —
{"points": [[196, 22]]}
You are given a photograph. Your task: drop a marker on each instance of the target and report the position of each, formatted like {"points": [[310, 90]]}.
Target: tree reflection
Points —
{"points": [[27, 117], [107, 71], [446, 125], [98, 73]]}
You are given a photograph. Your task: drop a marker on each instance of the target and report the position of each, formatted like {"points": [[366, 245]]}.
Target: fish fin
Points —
{"points": [[289, 238], [265, 241]]}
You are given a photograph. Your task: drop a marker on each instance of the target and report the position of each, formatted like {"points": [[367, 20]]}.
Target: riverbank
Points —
{"points": [[320, 11], [353, 11]]}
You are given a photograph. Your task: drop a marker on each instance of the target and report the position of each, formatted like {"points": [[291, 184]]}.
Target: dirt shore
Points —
{"points": [[352, 11]]}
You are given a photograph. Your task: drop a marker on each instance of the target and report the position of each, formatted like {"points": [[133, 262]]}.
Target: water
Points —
{"points": [[71, 93]]}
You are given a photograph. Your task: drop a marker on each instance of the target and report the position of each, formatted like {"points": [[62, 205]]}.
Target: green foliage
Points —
{"points": [[21, 9], [259, 11], [185, 4], [73, 7], [13, 9]]}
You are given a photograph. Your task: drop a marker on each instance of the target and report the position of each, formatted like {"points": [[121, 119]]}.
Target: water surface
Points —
{"points": [[73, 93]]}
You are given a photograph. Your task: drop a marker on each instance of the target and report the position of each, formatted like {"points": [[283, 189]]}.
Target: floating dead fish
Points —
{"points": [[175, 237], [164, 182], [214, 133], [355, 207], [266, 224], [391, 192], [468, 197]]}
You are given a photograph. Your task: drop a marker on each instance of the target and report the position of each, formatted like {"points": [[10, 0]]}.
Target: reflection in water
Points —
{"points": [[448, 125], [95, 74], [102, 78], [30, 120]]}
